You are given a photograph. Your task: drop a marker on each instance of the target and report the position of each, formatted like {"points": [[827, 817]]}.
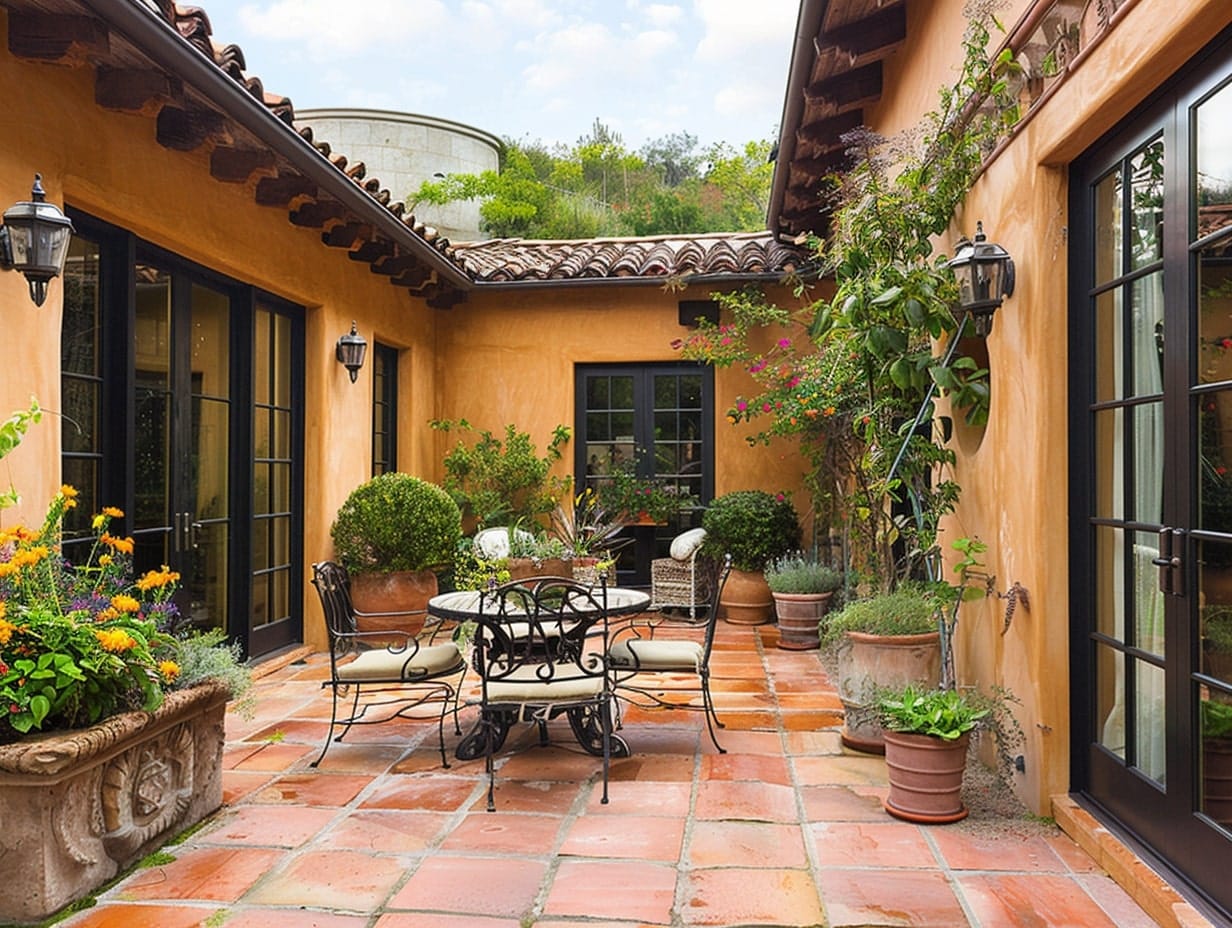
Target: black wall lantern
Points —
{"points": [[985, 273], [351, 350], [34, 240]]}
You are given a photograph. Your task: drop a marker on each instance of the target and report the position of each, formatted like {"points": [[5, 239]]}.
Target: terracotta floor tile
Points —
{"points": [[643, 798], [660, 715], [237, 787], [658, 737], [811, 719], [764, 768], [966, 851], [300, 918], [1024, 900], [631, 836], [135, 915], [739, 799], [746, 844], [437, 920], [1120, 906], [840, 804], [441, 793], [819, 701], [365, 758], [659, 768], [345, 881], [388, 831], [746, 742], [267, 826], [553, 764], [526, 834], [219, 874], [803, 743], [276, 756], [541, 796], [613, 889], [501, 886], [313, 789], [843, 770], [737, 896], [747, 720], [1074, 857], [871, 844], [291, 731], [890, 897]]}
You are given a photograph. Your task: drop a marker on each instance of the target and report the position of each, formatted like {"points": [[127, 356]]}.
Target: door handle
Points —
{"points": [[1170, 562]]}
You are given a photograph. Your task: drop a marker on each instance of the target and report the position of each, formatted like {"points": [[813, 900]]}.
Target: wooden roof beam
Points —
{"points": [[851, 91], [136, 90], [64, 38], [234, 165], [853, 46]]}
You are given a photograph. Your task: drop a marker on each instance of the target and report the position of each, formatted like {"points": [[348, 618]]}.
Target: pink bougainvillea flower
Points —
{"points": [[784, 342], [742, 405]]}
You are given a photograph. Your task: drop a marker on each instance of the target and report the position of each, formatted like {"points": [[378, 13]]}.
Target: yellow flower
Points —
{"points": [[169, 670], [29, 557], [7, 569], [104, 560], [106, 615], [6, 630], [116, 640], [125, 603], [68, 492], [122, 545], [113, 512]]}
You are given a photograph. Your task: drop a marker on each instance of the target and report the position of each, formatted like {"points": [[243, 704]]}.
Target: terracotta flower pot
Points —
{"points": [[872, 661], [1217, 779], [746, 598], [403, 597], [926, 776], [522, 567], [799, 617]]}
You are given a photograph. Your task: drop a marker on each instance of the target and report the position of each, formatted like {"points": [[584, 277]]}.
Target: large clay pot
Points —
{"points": [[799, 616], [926, 775], [401, 597], [520, 568], [869, 662], [80, 806], [746, 598]]}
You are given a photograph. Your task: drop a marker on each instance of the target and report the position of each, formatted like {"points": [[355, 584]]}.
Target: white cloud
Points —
{"points": [[326, 29], [735, 30]]}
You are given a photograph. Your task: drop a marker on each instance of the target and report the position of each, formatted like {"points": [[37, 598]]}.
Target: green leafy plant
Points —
{"points": [[396, 522], [12, 431], [1216, 719], [79, 643], [945, 714], [498, 482], [587, 528], [753, 526], [909, 610], [798, 572]]}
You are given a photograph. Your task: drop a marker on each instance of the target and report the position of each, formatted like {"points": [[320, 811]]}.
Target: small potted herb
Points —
{"points": [[802, 588]]}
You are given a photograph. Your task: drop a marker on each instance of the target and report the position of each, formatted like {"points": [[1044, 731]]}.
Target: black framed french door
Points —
{"points": [[658, 420], [1151, 485], [183, 401]]}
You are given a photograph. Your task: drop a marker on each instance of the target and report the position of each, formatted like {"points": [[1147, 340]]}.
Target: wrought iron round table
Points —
{"points": [[464, 606]]}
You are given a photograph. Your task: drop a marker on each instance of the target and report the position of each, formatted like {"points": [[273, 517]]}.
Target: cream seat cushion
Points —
{"points": [[684, 544], [525, 686], [648, 654], [385, 664]]}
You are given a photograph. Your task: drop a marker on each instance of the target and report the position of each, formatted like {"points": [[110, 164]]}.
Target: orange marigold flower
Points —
{"points": [[169, 670], [125, 603], [29, 557], [154, 579], [6, 630], [106, 615], [7, 569], [122, 545], [115, 640], [68, 492], [113, 512]]}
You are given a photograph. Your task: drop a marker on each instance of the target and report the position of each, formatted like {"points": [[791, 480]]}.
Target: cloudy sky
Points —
{"points": [[529, 69]]}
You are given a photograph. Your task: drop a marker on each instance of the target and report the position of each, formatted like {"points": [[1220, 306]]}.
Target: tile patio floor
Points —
{"points": [[785, 829]]}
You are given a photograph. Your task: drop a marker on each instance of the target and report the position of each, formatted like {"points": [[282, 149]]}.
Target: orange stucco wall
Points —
{"points": [[1014, 472]]}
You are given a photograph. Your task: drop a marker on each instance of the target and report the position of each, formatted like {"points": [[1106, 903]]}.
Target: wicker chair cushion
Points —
{"points": [[684, 544], [647, 654], [493, 543], [389, 665]]}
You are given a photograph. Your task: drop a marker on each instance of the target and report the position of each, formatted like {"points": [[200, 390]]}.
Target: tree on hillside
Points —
{"points": [[600, 188]]}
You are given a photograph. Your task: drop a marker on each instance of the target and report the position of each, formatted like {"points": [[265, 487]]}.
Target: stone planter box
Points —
{"points": [[79, 807]]}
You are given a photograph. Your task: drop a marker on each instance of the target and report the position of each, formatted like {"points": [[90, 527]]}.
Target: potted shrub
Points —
{"points": [[886, 640], [926, 736], [112, 736], [589, 532], [754, 527], [392, 534], [802, 588]]}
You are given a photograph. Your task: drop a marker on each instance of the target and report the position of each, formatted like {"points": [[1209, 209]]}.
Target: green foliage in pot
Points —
{"points": [[499, 482], [396, 522], [906, 611], [799, 573], [943, 714], [1216, 719], [752, 526]]}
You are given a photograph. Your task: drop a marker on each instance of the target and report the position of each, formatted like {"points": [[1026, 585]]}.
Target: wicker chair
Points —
{"points": [[678, 581], [404, 675], [636, 651]]}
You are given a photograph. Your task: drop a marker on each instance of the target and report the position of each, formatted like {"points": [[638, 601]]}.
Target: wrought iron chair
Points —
{"points": [[404, 674], [635, 651], [539, 651], [679, 581]]}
